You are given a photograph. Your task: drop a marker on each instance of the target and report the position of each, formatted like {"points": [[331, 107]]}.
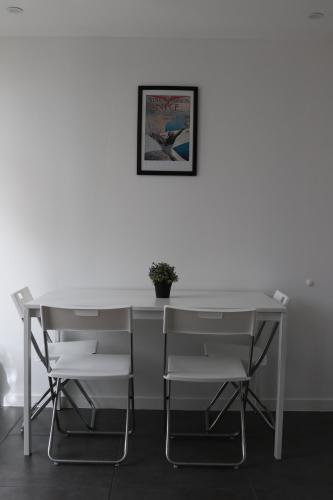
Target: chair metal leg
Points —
{"points": [[91, 425], [217, 395], [177, 463], [210, 426], [224, 410], [47, 393], [55, 459], [40, 405], [53, 421], [53, 393], [164, 403], [262, 410], [242, 416], [89, 400], [213, 401], [38, 409], [75, 407], [132, 405]]}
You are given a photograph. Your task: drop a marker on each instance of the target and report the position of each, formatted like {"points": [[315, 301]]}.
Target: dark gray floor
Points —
{"points": [[306, 473]]}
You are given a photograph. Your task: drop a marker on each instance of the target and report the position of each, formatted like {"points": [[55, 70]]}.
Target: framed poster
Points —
{"points": [[167, 130]]}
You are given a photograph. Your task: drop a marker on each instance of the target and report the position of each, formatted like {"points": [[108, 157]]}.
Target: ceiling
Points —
{"points": [[258, 19]]}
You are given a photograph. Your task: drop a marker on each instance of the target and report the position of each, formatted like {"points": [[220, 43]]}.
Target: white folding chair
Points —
{"points": [[267, 331], [55, 350], [89, 366], [202, 368]]}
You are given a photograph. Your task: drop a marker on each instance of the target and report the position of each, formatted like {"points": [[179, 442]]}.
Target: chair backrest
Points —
{"points": [[281, 297], [209, 321], [117, 319], [20, 298]]}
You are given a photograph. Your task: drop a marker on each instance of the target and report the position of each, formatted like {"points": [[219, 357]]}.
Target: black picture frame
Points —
{"points": [[156, 153]]}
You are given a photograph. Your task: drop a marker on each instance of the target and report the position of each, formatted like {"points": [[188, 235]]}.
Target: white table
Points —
{"points": [[146, 306]]}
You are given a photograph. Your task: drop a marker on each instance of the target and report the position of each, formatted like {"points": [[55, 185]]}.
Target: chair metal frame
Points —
{"points": [[49, 320], [252, 399], [20, 298], [241, 386]]}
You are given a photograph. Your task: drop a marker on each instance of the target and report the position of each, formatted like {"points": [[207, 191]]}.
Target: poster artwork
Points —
{"points": [[167, 128]]}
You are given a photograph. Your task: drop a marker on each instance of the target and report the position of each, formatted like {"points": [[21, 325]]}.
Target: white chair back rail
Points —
{"points": [[209, 321], [20, 298], [281, 297], [112, 320]]}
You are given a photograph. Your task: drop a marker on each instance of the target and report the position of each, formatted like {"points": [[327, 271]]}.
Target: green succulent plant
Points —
{"points": [[161, 272]]}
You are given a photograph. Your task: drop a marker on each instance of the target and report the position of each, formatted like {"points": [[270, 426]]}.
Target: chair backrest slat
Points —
{"points": [[118, 319], [20, 298], [281, 297], [209, 321]]}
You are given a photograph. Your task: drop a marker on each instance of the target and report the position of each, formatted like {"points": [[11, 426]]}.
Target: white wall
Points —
{"points": [[257, 216]]}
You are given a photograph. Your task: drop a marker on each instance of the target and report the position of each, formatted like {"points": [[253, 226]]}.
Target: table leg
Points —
{"points": [[27, 382], [281, 368]]}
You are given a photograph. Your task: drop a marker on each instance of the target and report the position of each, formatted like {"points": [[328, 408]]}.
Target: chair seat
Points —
{"points": [[205, 369], [92, 366], [71, 348], [236, 350]]}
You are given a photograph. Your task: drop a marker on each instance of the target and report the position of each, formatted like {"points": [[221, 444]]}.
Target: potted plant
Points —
{"points": [[162, 275]]}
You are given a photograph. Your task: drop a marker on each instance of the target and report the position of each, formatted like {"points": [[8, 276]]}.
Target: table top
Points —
{"points": [[145, 300]]}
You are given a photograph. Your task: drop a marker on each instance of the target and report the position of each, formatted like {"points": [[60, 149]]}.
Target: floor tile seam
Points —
{"points": [[181, 487], [43, 485], [11, 486]]}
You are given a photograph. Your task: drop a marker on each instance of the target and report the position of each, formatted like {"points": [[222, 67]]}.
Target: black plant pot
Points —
{"points": [[163, 290]]}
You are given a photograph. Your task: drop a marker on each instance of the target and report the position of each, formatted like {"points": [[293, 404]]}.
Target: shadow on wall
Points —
{"points": [[4, 385]]}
